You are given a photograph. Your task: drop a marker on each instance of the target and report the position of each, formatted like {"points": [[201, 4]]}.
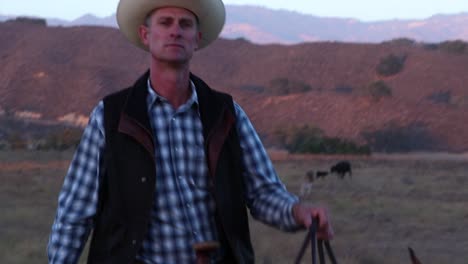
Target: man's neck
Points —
{"points": [[171, 83]]}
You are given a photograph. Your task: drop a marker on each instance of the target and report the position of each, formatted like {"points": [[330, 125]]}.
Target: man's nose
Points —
{"points": [[176, 30]]}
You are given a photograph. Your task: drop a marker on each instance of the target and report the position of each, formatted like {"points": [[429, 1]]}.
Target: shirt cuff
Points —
{"points": [[291, 223]]}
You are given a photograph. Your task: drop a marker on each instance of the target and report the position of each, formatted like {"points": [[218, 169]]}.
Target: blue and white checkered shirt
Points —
{"points": [[183, 211]]}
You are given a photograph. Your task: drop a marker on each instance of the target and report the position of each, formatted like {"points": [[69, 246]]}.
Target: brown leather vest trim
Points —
{"points": [[132, 128], [217, 138]]}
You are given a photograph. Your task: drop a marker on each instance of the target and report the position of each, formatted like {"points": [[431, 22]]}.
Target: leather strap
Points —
{"points": [[316, 244]]}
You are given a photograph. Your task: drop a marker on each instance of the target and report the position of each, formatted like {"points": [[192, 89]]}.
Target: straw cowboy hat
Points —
{"points": [[210, 13]]}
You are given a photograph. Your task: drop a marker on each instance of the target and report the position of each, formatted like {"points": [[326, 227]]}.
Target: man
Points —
{"points": [[169, 163]]}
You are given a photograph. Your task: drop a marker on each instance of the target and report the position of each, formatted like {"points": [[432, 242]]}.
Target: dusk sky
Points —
{"points": [[365, 10]]}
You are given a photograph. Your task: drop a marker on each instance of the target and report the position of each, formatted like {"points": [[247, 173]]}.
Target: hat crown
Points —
{"points": [[211, 15]]}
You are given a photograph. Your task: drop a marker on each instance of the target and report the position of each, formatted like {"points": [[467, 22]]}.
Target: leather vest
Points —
{"points": [[127, 184]]}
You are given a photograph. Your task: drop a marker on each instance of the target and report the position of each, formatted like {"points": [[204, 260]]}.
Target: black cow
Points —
{"points": [[321, 174], [342, 168]]}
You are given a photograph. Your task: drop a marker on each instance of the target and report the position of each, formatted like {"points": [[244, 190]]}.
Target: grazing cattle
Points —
{"points": [[321, 174], [310, 176], [307, 185], [342, 168], [305, 189], [414, 259]]}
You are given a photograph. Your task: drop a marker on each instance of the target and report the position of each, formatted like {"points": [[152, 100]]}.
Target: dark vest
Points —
{"points": [[127, 185]]}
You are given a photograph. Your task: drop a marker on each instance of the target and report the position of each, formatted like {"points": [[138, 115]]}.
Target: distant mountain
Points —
{"points": [[90, 20], [348, 90], [263, 26], [3, 18]]}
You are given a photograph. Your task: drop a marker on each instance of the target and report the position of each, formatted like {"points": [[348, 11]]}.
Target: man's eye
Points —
{"points": [[165, 22], [186, 24]]}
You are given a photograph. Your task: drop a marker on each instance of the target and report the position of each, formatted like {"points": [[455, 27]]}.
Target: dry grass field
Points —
{"points": [[390, 203]]}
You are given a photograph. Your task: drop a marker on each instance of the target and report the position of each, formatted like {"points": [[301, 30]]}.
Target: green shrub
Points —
{"points": [[21, 134], [379, 89], [344, 89], [62, 139], [391, 65], [399, 138], [444, 97], [431, 46], [453, 46], [29, 20], [17, 141], [450, 46], [402, 41], [308, 139], [285, 86]]}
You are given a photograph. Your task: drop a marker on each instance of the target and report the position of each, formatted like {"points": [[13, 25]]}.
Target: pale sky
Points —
{"points": [[365, 10]]}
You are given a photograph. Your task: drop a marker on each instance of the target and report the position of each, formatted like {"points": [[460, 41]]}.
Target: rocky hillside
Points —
{"points": [[60, 73]]}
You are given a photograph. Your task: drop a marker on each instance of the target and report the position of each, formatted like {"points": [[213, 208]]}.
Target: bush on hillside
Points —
{"points": [[391, 65], [402, 41], [398, 138], [285, 86], [61, 140], [29, 20], [312, 140], [379, 89], [453, 46], [449, 46], [344, 89], [441, 97], [431, 46], [22, 134], [16, 141]]}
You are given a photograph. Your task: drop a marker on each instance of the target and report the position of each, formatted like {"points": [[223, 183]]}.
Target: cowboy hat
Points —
{"points": [[210, 13]]}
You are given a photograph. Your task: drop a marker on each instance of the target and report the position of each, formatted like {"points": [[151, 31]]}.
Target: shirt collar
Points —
{"points": [[154, 97]]}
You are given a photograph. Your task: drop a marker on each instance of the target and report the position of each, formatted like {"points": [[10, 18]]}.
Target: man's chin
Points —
{"points": [[173, 58], [177, 61]]}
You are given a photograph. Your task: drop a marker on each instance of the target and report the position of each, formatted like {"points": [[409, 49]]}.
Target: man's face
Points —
{"points": [[171, 34]]}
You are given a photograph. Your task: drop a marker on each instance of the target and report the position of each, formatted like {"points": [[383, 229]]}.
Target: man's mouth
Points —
{"points": [[175, 45]]}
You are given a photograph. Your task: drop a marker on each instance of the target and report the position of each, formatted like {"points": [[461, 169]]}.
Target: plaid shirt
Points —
{"points": [[183, 210]]}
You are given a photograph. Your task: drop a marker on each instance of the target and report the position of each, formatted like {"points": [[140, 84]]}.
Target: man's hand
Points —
{"points": [[303, 215]]}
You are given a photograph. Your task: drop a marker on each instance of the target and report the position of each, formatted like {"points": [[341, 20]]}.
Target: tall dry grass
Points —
{"points": [[390, 203]]}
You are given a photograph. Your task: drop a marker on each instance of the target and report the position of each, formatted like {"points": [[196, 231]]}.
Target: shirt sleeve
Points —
{"points": [[77, 200], [267, 197]]}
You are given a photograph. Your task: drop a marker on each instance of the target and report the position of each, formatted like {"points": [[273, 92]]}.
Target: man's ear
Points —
{"points": [[199, 36], [143, 32]]}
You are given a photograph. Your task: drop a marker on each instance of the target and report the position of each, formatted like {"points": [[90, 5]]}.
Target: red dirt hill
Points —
{"points": [[57, 70]]}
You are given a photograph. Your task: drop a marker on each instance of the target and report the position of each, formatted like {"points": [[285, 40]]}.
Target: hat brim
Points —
{"points": [[211, 15]]}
